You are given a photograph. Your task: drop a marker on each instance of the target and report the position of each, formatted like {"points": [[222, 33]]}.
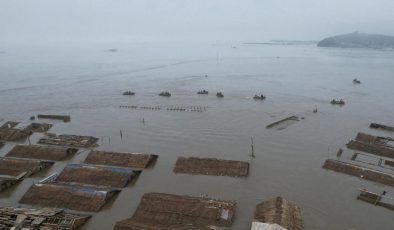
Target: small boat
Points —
{"points": [[259, 97], [315, 109], [356, 81], [165, 94], [337, 102], [219, 94], [202, 92], [129, 93]]}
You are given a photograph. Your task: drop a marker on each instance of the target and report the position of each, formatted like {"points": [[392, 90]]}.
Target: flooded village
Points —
{"points": [[90, 172], [196, 115]]}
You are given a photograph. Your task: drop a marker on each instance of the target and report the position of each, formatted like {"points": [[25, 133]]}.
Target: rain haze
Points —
{"points": [[180, 114], [180, 20]]}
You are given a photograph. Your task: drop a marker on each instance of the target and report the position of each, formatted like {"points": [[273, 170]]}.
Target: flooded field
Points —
{"points": [[87, 83]]}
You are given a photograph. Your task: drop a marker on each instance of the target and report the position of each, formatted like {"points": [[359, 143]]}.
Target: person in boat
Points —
{"points": [[128, 93]]}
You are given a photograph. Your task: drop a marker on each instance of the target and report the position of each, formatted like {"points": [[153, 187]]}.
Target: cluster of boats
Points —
{"points": [[201, 92], [337, 102], [165, 94]]}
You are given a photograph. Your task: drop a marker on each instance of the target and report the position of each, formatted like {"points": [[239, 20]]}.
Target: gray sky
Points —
{"points": [[185, 20]]}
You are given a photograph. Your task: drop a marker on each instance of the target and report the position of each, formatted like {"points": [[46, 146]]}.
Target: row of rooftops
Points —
{"points": [[88, 186]]}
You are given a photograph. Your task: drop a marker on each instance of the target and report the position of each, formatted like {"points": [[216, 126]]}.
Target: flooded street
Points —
{"points": [[87, 83]]}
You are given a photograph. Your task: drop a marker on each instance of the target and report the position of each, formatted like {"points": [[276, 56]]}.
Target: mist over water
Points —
{"points": [[87, 82]]}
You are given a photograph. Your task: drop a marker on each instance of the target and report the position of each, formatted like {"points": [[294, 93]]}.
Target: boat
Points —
{"points": [[219, 94], [337, 102], [202, 92], [129, 93], [259, 97], [356, 81], [165, 94]]}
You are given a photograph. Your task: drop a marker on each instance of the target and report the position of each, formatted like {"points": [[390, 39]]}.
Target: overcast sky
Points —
{"points": [[185, 20]]}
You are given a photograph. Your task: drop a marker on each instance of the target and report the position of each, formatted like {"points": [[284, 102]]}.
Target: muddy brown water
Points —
{"points": [[87, 83]]}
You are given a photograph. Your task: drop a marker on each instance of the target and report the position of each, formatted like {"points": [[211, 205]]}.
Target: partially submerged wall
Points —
{"points": [[64, 118]]}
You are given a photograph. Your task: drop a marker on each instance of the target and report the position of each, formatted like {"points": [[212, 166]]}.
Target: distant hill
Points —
{"points": [[359, 40]]}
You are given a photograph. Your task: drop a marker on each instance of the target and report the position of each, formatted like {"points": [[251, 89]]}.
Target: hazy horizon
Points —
{"points": [[183, 20]]}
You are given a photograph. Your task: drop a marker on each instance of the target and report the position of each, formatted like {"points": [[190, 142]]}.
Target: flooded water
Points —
{"points": [[87, 83]]}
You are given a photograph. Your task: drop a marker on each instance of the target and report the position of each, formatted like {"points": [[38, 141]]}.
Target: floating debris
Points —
{"points": [[211, 166], [372, 144], [219, 94], [69, 140], [38, 127], [165, 94], [9, 125], [356, 81], [166, 211], [277, 212], [42, 152], [46, 218], [337, 102], [259, 97], [355, 170], [131, 160], [202, 92], [64, 118], [382, 127], [284, 122], [376, 199], [94, 175], [72, 197], [129, 93]]}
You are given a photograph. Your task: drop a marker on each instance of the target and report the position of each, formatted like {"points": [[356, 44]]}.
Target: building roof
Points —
{"points": [[15, 166], [67, 196], [96, 175], [132, 160], [211, 166], [281, 212], [167, 211], [42, 152]]}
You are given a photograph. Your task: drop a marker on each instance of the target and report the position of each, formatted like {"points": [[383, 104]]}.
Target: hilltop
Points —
{"points": [[359, 40]]}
